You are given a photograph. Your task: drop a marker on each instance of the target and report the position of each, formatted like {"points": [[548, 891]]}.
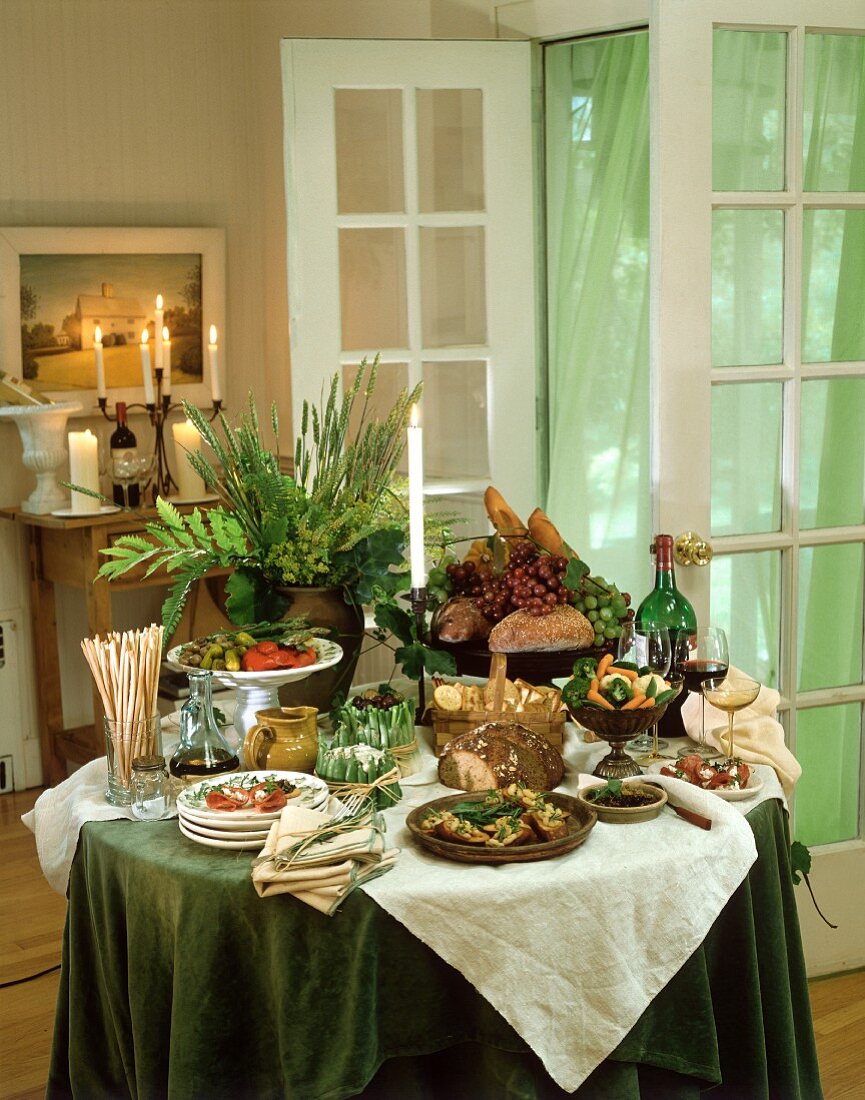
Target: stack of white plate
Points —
{"points": [[244, 829]]}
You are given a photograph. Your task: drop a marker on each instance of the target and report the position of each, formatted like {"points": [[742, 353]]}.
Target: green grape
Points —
{"points": [[591, 602], [599, 640], [612, 631], [603, 601], [579, 604], [606, 613], [592, 616], [620, 608], [600, 581]]}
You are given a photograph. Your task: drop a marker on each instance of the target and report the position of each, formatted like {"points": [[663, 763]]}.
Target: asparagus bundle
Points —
{"points": [[385, 721], [360, 764]]}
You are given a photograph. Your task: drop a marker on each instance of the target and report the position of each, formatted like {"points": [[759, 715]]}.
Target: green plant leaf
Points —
{"points": [[800, 861], [399, 622], [411, 657], [436, 660], [575, 572]]}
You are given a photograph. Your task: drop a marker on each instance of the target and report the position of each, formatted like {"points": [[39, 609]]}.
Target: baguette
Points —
{"points": [[502, 516], [545, 533]]}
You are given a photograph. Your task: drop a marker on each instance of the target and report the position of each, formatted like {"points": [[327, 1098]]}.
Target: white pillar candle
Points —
{"points": [[415, 501], [186, 438], [213, 360], [146, 374], [158, 359], [166, 361], [100, 365], [84, 469]]}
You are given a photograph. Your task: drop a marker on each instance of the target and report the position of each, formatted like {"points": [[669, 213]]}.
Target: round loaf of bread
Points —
{"points": [[499, 753], [563, 628]]}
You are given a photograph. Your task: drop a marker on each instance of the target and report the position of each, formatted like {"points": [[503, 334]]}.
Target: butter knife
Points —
{"points": [[691, 816]]}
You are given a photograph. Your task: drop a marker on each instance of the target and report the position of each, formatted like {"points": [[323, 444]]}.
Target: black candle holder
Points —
{"points": [[418, 598], [159, 411]]}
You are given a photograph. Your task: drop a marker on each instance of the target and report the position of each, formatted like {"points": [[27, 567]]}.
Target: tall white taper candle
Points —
{"points": [[415, 501], [100, 364], [146, 374]]}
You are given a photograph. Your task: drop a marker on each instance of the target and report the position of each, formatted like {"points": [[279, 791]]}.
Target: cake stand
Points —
{"points": [[257, 691]]}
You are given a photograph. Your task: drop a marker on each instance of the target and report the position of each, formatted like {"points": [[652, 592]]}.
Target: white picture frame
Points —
{"points": [[18, 244]]}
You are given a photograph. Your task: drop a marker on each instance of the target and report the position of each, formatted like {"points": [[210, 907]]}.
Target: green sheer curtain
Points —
{"points": [[829, 742], [597, 202]]}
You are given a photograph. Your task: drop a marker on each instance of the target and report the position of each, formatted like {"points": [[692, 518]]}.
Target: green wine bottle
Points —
{"points": [[666, 606]]}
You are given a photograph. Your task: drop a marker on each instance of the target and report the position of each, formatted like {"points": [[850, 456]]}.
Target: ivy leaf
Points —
{"points": [[251, 599], [800, 860], [411, 657], [575, 572], [436, 660], [399, 622]]}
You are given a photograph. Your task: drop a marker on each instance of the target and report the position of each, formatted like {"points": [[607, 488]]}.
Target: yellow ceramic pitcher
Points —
{"points": [[284, 738]]}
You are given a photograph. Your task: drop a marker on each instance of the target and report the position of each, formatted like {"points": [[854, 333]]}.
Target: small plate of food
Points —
{"points": [[511, 825], [238, 800], [732, 780]]}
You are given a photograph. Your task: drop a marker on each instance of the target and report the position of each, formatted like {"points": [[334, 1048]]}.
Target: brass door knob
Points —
{"points": [[692, 549]]}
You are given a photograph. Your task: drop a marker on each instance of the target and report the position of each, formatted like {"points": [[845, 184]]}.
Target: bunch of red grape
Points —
{"points": [[531, 581]]}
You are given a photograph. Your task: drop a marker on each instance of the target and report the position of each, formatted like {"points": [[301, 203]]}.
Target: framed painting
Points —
{"points": [[61, 289]]}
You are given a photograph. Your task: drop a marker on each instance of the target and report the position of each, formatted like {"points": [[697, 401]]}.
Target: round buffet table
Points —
{"points": [[179, 981]]}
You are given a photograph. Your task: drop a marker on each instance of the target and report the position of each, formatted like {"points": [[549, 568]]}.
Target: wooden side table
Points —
{"points": [[67, 552]]}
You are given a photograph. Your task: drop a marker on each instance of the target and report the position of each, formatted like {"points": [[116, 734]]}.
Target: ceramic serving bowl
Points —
{"points": [[626, 815]]}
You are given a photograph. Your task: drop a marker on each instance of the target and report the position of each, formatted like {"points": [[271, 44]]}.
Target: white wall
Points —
{"points": [[167, 113]]}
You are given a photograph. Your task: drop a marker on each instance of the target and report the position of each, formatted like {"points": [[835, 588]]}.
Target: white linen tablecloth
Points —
{"points": [[571, 951]]}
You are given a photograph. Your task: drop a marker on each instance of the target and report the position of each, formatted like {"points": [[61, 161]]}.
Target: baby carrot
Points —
{"points": [[603, 665], [596, 697], [646, 703], [628, 673], [594, 685], [638, 699]]}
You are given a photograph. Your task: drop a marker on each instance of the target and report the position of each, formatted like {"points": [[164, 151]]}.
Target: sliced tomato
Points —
{"points": [[265, 647], [306, 657], [273, 801], [720, 779]]}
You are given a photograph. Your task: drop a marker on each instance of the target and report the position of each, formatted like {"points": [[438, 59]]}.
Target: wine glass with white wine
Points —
{"points": [[730, 694]]}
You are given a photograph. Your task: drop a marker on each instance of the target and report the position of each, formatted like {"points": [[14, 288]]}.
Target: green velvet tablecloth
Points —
{"points": [[179, 981]]}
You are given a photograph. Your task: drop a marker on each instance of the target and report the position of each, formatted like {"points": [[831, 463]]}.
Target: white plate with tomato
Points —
{"points": [[249, 800], [288, 663], [732, 780]]}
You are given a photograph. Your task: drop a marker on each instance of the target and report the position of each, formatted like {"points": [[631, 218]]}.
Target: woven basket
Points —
{"points": [[448, 724]]}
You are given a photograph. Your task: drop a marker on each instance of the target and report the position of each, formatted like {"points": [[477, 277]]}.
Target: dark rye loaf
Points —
{"points": [[499, 753]]}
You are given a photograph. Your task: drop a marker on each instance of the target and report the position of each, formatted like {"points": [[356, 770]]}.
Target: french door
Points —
{"points": [[409, 175], [758, 279]]}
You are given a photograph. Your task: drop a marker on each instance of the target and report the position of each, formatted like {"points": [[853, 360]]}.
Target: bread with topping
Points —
{"points": [[497, 754], [563, 628]]}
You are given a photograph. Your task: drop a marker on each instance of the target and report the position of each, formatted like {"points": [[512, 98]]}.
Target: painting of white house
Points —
{"points": [[66, 298]]}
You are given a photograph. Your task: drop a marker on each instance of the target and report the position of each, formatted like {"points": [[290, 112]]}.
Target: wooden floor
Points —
{"points": [[31, 930]]}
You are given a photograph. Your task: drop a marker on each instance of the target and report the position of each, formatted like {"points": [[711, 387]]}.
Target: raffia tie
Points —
{"points": [[308, 837], [399, 751], [339, 788]]}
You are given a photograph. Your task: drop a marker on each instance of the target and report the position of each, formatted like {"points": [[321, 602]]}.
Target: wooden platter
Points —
{"points": [[580, 824]]}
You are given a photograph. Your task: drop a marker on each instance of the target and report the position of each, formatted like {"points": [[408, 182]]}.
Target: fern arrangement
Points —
{"points": [[336, 522]]}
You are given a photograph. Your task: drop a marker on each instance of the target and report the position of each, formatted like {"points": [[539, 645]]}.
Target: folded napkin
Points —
{"points": [[758, 736], [305, 857]]}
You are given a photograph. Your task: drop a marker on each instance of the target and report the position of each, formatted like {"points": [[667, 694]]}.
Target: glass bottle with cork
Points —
{"points": [[666, 606]]}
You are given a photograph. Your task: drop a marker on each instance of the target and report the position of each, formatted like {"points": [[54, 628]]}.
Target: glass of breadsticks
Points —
{"points": [[125, 668]]}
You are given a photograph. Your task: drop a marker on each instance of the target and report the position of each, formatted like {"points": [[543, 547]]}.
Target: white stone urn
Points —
{"points": [[43, 435]]}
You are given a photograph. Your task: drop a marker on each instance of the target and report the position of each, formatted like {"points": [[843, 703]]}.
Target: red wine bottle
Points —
{"points": [[124, 447], [666, 606]]}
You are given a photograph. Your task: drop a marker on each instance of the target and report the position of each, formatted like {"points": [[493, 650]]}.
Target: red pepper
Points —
{"points": [[256, 661]]}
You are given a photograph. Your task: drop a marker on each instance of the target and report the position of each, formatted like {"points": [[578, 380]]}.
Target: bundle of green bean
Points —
{"points": [[383, 721], [359, 764]]}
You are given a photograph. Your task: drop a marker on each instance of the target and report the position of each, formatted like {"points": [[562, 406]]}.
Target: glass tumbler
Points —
{"points": [[150, 788], [124, 741]]}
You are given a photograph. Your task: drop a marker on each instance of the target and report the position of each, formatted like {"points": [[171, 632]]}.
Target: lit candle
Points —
{"points": [[158, 358], [84, 469], [213, 360], [166, 361], [186, 438], [100, 365], [149, 399], [415, 501]]}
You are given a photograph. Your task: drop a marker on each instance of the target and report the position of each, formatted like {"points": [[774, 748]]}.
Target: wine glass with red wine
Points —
{"points": [[707, 659]]}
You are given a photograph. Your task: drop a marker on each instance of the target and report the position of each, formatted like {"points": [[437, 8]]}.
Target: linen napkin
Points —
{"points": [[320, 870], [758, 736]]}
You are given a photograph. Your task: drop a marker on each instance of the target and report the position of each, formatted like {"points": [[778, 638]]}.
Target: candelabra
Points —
{"points": [[418, 598], [158, 411]]}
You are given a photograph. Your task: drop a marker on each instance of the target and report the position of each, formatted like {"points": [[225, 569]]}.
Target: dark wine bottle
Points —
{"points": [[666, 606], [124, 448]]}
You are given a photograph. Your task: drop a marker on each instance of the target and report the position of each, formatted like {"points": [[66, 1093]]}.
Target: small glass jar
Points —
{"points": [[202, 752], [150, 788]]}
